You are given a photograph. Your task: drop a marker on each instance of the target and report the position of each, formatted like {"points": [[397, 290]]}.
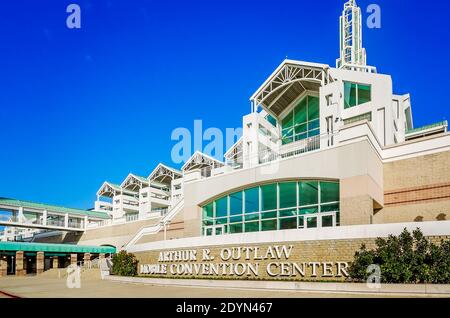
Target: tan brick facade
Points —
{"points": [[3, 266], [39, 262], [421, 194], [416, 189], [20, 264]]}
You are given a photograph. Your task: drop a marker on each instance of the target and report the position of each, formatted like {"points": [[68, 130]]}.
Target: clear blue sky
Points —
{"points": [[78, 107]]}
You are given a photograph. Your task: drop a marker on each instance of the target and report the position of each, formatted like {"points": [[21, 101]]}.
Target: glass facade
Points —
{"points": [[302, 122], [277, 206], [356, 94]]}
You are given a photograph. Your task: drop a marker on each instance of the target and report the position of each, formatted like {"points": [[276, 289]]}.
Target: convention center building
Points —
{"points": [[329, 159]]}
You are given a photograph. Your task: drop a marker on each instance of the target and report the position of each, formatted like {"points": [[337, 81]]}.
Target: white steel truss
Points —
{"points": [[234, 155], [200, 160], [109, 190], [134, 183], [305, 76], [162, 173]]}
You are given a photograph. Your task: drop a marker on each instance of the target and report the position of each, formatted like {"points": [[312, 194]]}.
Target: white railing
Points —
{"points": [[288, 150], [162, 223], [59, 223], [132, 217], [161, 211]]}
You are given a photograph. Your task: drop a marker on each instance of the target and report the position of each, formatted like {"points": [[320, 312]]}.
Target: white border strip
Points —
{"points": [[434, 228], [316, 287]]}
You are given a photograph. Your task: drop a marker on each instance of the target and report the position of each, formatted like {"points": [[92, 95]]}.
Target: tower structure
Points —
{"points": [[352, 53]]}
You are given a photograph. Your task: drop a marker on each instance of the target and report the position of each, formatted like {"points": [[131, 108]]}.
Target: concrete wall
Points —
{"points": [[356, 165]]}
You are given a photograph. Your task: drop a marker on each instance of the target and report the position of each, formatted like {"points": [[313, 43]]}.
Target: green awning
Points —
{"points": [[55, 248]]}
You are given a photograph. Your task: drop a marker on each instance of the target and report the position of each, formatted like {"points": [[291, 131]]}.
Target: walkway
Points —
{"points": [[93, 287]]}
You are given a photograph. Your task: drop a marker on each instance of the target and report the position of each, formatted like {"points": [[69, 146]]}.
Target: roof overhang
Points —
{"points": [[133, 182], [287, 82], [108, 190], [164, 174], [200, 160]]}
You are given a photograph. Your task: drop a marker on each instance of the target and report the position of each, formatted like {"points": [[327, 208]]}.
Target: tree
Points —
{"points": [[404, 259], [124, 264]]}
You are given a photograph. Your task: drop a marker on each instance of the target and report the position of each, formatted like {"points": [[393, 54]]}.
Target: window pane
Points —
{"points": [[288, 212], [269, 215], [269, 197], [301, 222], [270, 225], [287, 135], [221, 207], [313, 124], [300, 112], [301, 137], [311, 222], [349, 95], [288, 195], [252, 227], [236, 203], [252, 200], [327, 221], [329, 208], [329, 192], [236, 228], [208, 211], [288, 121], [364, 94], [313, 107], [309, 210], [302, 128], [209, 232], [313, 133], [287, 139], [235, 219], [208, 222], [308, 192], [221, 221], [251, 217], [288, 223], [271, 120]]}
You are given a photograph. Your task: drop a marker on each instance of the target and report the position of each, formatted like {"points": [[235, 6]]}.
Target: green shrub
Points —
{"points": [[124, 264], [405, 259]]}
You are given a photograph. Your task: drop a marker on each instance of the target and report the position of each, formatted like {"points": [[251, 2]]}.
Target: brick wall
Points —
{"points": [[303, 252], [416, 189]]}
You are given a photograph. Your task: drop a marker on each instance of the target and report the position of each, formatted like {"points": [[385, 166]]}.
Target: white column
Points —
{"points": [[20, 218], [85, 222], [44, 217], [66, 220]]}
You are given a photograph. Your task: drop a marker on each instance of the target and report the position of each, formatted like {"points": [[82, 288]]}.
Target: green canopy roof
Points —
{"points": [[53, 208], [60, 248]]}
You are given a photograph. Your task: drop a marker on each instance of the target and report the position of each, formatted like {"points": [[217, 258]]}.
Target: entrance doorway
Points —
{"points": [[214, 230]]}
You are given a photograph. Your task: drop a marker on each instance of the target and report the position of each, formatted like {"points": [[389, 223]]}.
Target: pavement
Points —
{"points": [[92, 286]]}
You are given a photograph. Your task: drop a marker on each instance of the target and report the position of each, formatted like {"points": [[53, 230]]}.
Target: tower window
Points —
{"points": [[356, 94]]}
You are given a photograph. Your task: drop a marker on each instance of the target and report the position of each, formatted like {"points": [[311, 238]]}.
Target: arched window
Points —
{"points": [[276, 206]]}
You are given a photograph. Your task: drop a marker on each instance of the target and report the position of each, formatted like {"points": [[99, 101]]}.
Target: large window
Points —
{"points": [[356, 94], [276, 206], [302, 122]]}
